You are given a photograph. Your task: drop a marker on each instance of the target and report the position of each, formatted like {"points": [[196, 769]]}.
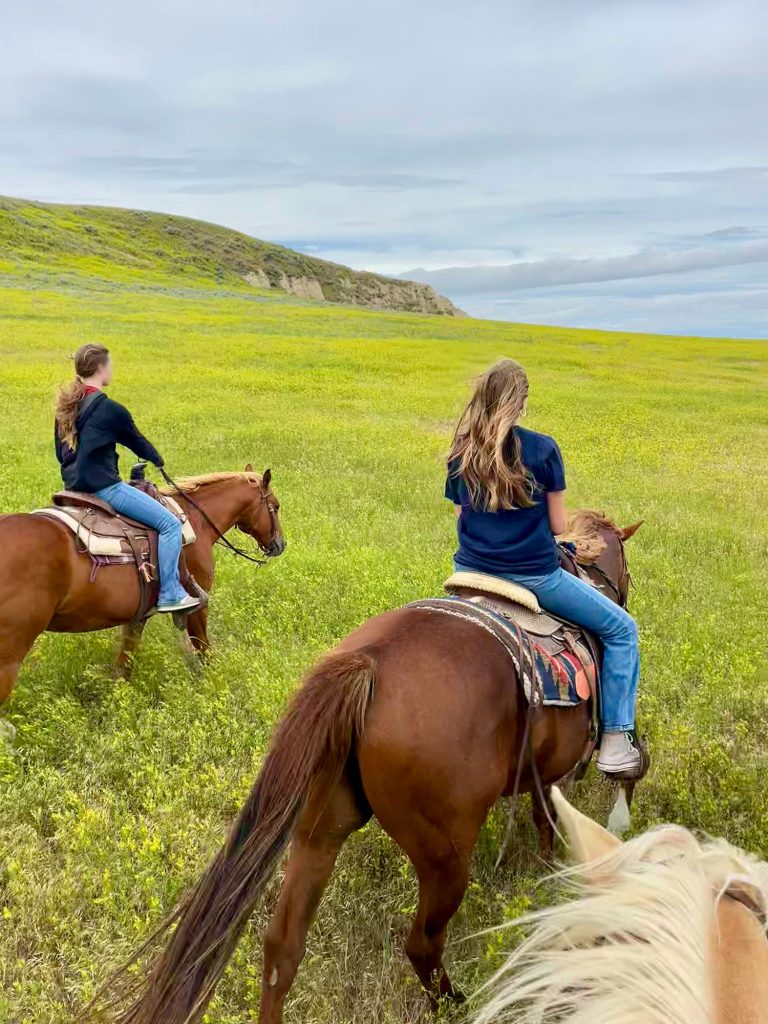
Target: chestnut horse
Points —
{"points": [[668, 928], [416, 718], [45, 582]]}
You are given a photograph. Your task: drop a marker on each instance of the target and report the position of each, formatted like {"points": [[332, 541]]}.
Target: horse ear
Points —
{"points": [[266, 478], [249, 468], [630, 531], [587, 840]]}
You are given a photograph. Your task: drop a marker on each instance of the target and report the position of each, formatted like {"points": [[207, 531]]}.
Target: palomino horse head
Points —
{"points": [[260, 519], [599, 544], [664, 929]]}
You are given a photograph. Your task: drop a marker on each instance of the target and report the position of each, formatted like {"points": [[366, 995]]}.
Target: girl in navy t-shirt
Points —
{"points": [[508, 487]]}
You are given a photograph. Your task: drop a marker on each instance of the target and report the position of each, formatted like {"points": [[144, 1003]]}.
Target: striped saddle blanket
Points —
{"points": [[557, 661]]}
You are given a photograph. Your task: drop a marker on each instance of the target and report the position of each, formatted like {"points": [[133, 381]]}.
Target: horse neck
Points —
{"points": [[222, 502]]}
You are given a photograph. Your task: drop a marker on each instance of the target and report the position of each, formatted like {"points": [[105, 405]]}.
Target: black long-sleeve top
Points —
{"points": [[100, 426]]}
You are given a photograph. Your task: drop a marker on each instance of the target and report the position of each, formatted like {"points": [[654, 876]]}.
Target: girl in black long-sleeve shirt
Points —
{"points": [[88, 428]]}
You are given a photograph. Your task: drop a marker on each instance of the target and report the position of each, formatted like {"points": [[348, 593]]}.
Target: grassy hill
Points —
{"points": [[115, 794], [104, 242]]}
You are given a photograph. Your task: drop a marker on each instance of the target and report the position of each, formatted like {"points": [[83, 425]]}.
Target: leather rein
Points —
{"points": [[606, 581], [220, 537]]}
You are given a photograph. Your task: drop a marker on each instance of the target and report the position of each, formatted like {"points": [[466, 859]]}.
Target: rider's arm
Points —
{"points": [[558, 517], [127, 434], [554, 484]]}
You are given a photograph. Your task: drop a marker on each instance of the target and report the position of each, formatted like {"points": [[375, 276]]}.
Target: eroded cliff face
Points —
{"points": [[158, 243], [358, 288]]}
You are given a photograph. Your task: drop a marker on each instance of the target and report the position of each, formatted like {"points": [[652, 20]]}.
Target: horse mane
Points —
{"points": [[192, 483], [636, 942], [584, 531]]}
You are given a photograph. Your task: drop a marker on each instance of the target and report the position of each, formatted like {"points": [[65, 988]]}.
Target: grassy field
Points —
{"points": [[115, 794]]}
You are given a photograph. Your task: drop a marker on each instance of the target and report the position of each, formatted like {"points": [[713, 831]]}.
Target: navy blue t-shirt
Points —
{"points": [[515, 540]]}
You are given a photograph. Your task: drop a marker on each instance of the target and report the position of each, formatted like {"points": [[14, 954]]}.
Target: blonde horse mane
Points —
{"points": [[635, 944], [583, 531], [192, 483]]}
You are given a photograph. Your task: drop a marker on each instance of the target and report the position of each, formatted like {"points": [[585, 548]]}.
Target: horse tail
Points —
{"points": [[308, 753]]}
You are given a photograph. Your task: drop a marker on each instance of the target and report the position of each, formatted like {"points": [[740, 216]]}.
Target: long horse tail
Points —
{"points": [[308, 753]]}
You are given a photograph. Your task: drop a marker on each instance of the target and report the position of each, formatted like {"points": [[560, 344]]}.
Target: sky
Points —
{"points": [[599, 163]]}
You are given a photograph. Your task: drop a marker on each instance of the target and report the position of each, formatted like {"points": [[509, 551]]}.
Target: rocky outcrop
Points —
{"points": [[257, 278], [358, 288], [302, 287]]}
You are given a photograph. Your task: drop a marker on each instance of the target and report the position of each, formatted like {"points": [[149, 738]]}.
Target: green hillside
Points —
{"points": [[132, 244], [115, 794]]}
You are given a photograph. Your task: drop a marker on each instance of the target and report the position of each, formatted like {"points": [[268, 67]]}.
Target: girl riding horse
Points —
{"points": [[508, 488], [88, 427]]}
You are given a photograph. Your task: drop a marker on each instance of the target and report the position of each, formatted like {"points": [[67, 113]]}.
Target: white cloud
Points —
{"points": [[545, 273], [563, 139]]}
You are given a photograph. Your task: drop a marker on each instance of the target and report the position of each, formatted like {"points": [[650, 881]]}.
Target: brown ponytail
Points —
{"points": [[88, 359]]}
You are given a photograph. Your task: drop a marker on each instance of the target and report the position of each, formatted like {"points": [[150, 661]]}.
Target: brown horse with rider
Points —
{"points": [[415, 718], [50, 583]]}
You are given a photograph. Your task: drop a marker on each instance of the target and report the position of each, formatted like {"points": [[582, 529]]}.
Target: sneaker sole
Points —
{"points": [[625, 766]]}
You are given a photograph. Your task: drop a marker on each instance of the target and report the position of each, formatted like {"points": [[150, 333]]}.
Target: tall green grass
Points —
{"points": [[116, 793]]}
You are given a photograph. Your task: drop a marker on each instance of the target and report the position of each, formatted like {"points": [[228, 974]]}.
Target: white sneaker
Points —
{"points": [[184, 604], [618, 753]]}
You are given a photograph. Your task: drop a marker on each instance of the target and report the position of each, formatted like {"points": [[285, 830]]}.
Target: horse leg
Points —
{"points": [[131, 635], [12, 654], [443, 878], [543, 816], [620, 818], [319, 837], [9, 672]]}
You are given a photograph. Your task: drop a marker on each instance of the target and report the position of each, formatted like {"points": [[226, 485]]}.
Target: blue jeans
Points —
{"points": [[137, 505], [571, 598]]}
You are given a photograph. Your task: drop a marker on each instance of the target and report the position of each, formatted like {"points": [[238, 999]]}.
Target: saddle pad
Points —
{"points": [[188, 535], [91, 542], [551, 675], [486, 584], [566, 678], [106, 546]]}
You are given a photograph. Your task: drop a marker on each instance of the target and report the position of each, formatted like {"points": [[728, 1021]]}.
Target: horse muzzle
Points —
{"points": [[276, 547]]}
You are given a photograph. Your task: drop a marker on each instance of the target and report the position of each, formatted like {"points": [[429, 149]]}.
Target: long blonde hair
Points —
{"points": [[88, 359], [485, 444]]}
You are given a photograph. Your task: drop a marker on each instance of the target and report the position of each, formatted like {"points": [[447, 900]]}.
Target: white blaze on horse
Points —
{"points": [[664, 929]]}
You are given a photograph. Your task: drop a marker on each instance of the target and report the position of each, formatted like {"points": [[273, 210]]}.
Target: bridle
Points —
{"points": [[220, 537], [272, 510], [615, 587]]}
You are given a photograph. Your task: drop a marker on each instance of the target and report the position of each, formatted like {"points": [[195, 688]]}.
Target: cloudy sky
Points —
{"points": [[594, 163]]}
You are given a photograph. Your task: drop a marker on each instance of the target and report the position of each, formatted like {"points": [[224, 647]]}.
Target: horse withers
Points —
{"points": [[416, 718], [48, 584]]}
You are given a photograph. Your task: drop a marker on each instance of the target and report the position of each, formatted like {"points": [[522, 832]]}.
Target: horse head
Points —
{"points": [[260, 517]]}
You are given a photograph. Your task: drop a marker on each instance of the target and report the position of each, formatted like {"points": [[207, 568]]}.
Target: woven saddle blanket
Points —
{"points": [[556, 661]]}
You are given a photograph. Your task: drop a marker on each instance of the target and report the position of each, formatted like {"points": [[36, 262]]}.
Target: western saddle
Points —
{"points": [[110, 538]]}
